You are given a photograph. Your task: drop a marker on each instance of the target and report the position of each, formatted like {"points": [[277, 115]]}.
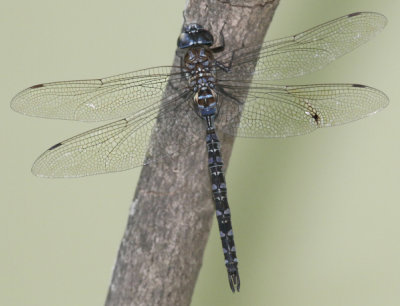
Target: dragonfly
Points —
{"points": [[211, 92]]}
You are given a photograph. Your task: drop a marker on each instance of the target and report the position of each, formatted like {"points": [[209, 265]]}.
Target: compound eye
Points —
{"points": [[206, 38], [184, 41]]}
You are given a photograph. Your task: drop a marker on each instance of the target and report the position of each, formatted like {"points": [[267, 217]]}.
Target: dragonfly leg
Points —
{"points": [[222, 38]]}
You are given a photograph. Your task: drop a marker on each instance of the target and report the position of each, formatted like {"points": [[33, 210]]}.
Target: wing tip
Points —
{"points": [[22, 105], [383, 18], [379, 96], [15, 103]]}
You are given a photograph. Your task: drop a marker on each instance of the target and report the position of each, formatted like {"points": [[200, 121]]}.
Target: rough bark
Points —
{"points": [[161, 253]]}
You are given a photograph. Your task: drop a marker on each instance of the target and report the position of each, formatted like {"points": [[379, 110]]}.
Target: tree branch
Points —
{"points": [[161, 252]]}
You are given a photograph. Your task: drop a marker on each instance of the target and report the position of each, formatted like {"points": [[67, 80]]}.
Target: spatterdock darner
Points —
{"points": [[200, 82]]}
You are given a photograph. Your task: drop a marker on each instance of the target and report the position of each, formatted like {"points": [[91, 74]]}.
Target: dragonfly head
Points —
{"points": [[194, 35]]}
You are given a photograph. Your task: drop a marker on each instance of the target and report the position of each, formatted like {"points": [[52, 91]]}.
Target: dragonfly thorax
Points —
{"points": [[199, 69], [198, 60]]}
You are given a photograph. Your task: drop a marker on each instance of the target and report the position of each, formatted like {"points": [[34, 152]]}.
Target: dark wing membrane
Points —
{"points": [[120, 145], [97, 99], [280, 111], [308, 51]]}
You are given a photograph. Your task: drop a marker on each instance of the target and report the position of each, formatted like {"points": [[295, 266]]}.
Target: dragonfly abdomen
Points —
{"points": [[223, 213]]}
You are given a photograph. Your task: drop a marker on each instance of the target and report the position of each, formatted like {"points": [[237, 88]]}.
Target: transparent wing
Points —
{"points": [[307, 51], [280, 111], [97, 99], [122, 144]]}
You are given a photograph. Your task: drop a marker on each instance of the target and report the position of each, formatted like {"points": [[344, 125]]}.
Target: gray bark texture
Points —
{"points": [[161, 252]]}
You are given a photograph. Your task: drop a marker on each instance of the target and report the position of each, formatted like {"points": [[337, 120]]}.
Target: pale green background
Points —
{"points": [[316, 217]]}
